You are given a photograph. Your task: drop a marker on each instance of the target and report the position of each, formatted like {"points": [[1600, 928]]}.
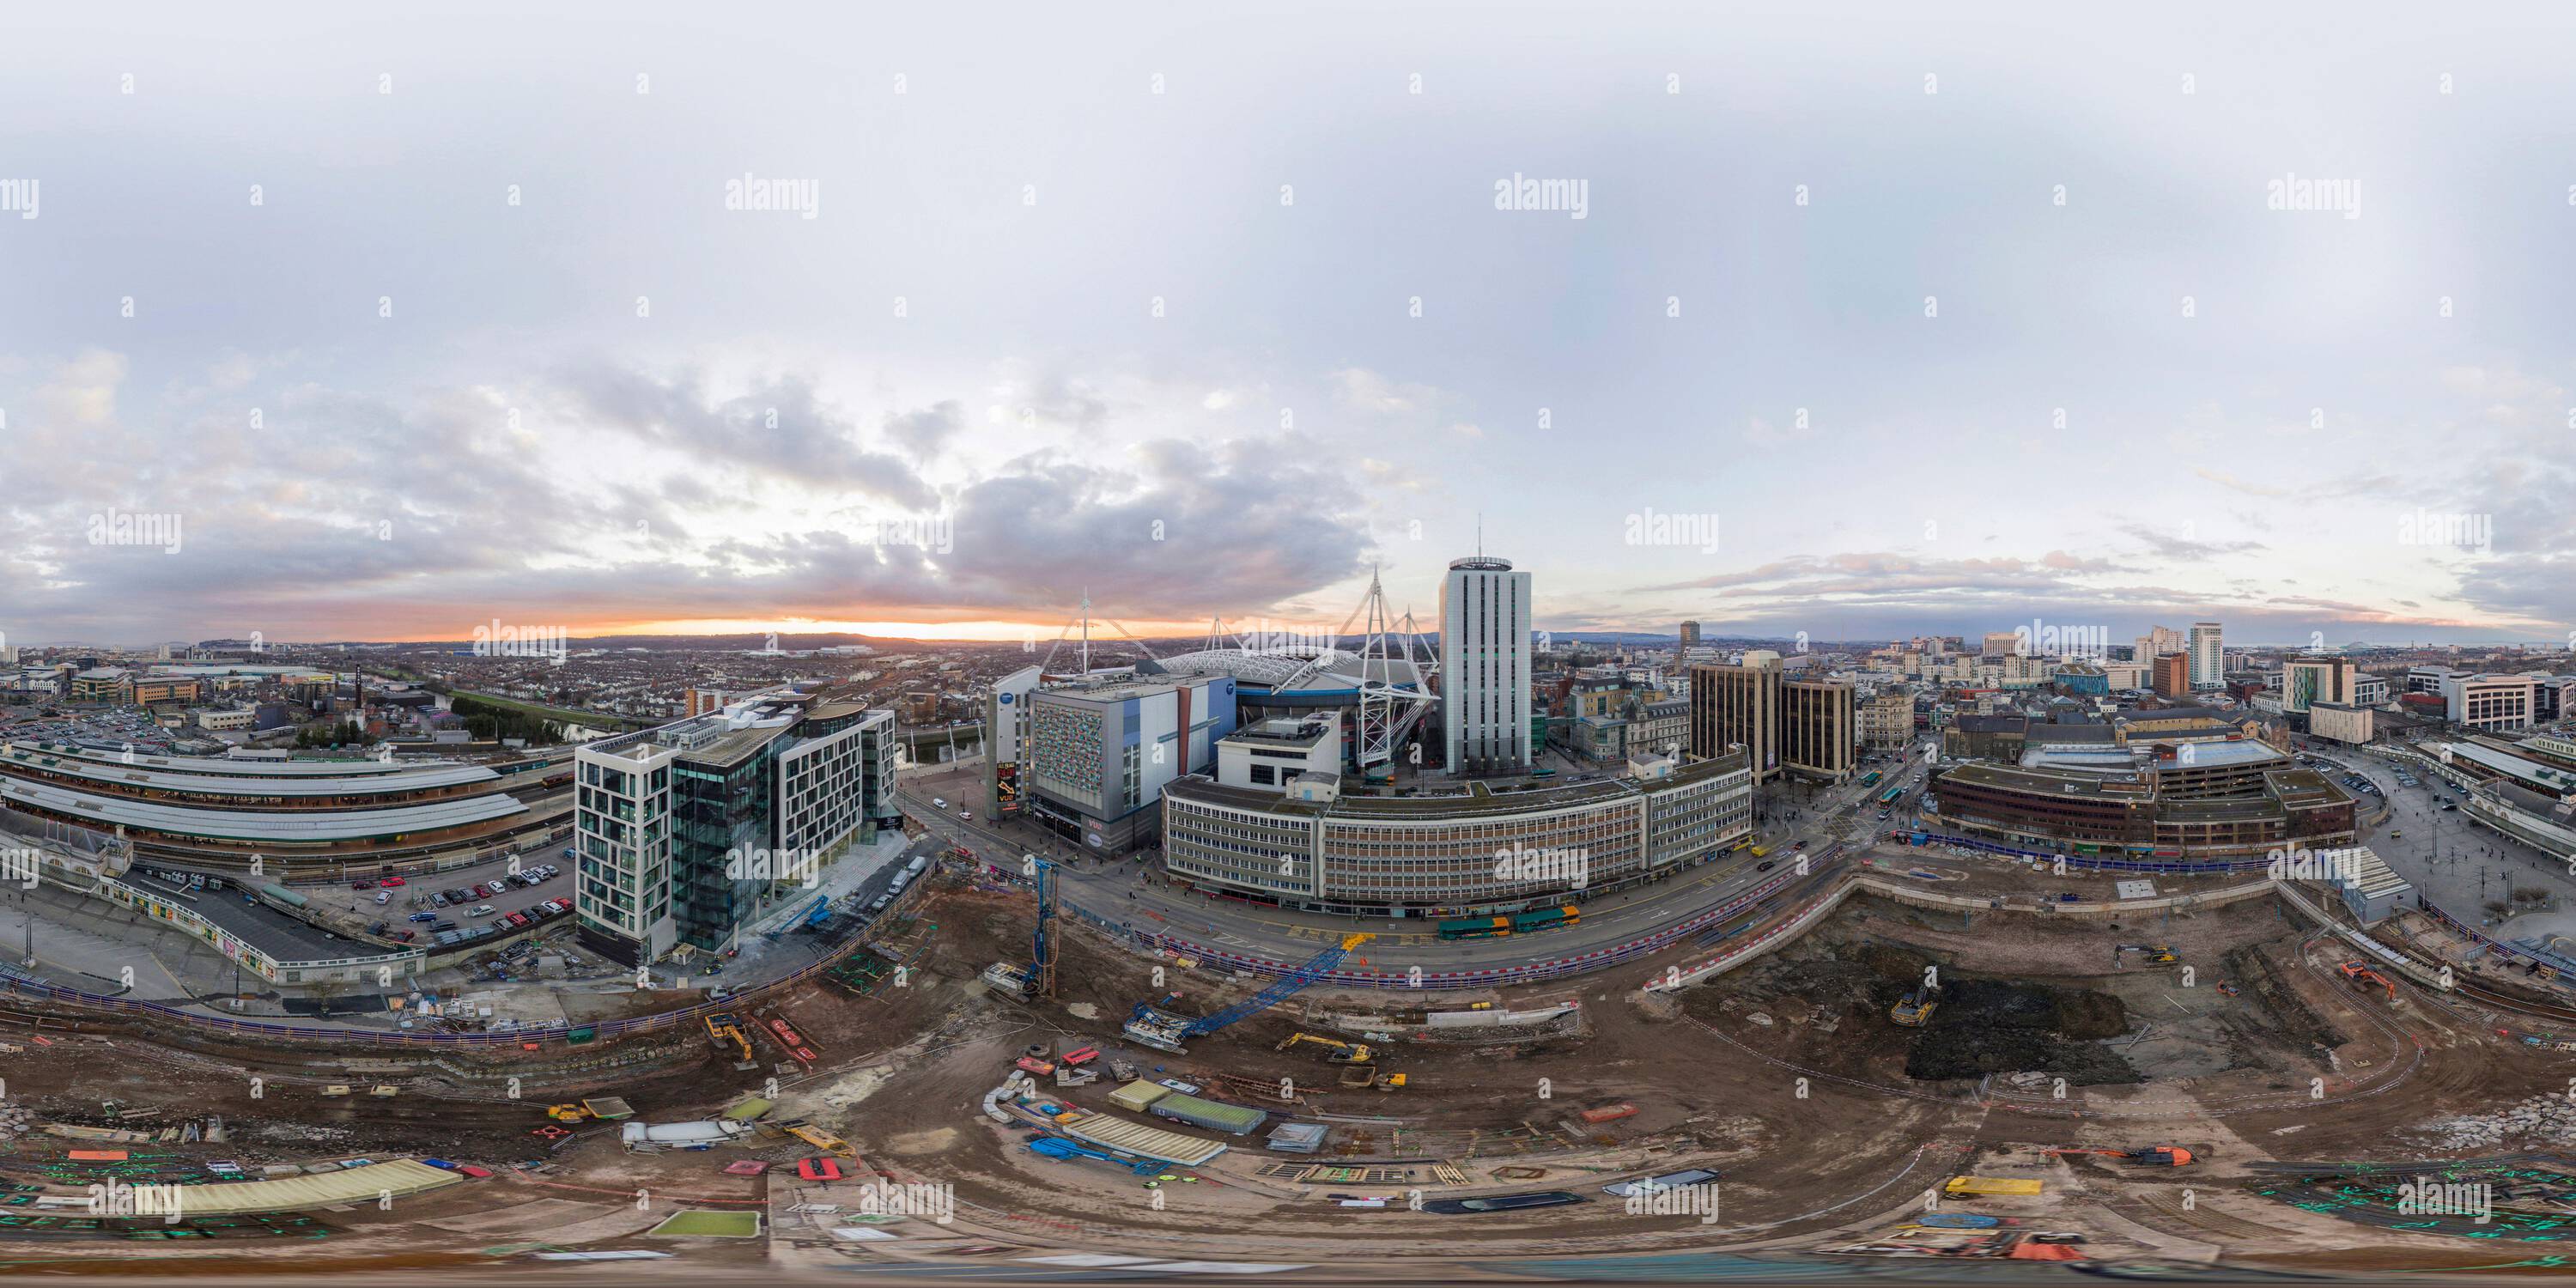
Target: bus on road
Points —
{"points": [[1889, 796], [1871, 778], [1519, 923]]}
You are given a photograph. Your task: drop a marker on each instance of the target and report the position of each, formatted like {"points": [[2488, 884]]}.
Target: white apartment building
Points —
{"points": [[1485, 666], [2208, 657]]}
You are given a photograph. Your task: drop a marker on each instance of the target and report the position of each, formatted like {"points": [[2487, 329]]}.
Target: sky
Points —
{"points": [[330, 323]]}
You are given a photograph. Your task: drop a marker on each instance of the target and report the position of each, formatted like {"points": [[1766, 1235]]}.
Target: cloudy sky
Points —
{"points": [[340, 324]]}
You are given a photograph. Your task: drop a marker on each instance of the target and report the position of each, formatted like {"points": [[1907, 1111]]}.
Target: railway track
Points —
{"points": [[2506, 1002]]}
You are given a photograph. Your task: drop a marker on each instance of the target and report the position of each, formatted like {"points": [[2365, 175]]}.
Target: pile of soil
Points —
{"points": [[1988, 1026]]}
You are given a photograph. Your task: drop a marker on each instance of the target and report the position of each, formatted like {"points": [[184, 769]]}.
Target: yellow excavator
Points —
{"points": [[723, 1029], [1340, 1053], [1914, 1010]]}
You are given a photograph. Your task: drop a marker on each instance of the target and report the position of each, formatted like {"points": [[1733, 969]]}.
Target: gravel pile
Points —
{"points": [[2540, 1120]]}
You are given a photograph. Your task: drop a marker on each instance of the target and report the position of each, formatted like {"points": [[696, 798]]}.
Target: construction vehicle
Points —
{"points": [[1961, 1186], [2158, 954], [1152, 1026], [820, 1139], [2359, 972], [606, 1108], [1340, 1053], [724, 1029], [2152, 1156], [1914, 1010], [1361, 1077]]}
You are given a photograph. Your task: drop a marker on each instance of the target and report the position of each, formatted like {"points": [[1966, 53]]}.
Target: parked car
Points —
{"points": [[518, 919], [880, 904], [437, 900], [391, 882], [424, 916], [363, 885], [408, 935], [443, 927], [384, 897], [483, 911]]}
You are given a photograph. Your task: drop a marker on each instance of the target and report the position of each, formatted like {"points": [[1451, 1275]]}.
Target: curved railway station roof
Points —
{"points": [[409, 778], [245, 825], [221, 764]]}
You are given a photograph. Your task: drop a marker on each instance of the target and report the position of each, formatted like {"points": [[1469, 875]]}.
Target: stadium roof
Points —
{"points": [[1320, 668]]}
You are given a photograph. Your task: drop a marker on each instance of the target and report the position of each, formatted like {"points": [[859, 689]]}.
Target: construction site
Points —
{"points": [[1066, 1094]]}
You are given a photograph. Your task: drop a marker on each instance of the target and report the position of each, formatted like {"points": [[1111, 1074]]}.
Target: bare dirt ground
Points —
{"points": [[1786, 1076]]}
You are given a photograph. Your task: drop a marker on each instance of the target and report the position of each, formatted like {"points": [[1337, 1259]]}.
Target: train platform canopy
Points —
{"points": [[242, 825], [407, 778], [344, 767]]}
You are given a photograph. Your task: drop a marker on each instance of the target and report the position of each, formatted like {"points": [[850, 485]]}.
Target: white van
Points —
{"points": [[939, 802]]}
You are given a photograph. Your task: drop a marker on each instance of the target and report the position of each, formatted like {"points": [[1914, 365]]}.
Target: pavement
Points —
{"points": [[2455, 863]]}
